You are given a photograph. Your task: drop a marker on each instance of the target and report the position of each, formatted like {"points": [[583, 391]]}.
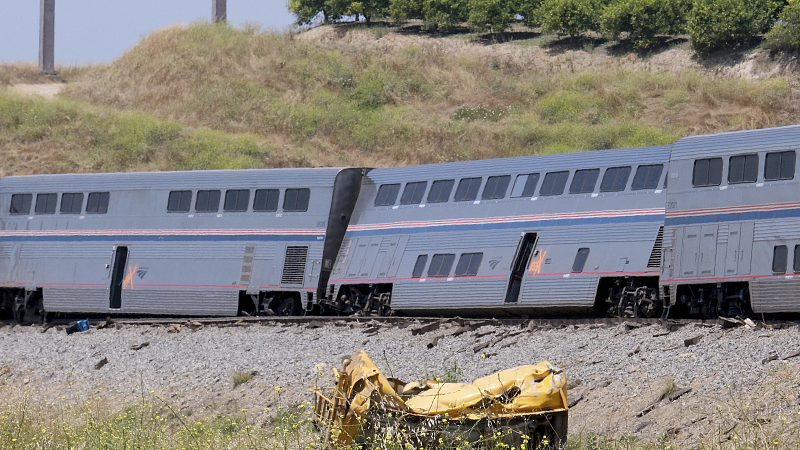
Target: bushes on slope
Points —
{"points": [[643, 20], [715, 23], [785, 35]]}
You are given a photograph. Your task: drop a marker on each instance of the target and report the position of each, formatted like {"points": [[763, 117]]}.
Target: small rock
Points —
{"points": [[101, 363], [140, 346], [692, 341], [632, 369]]}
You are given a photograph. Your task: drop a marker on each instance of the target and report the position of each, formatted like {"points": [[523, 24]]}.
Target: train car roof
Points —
{"points": [[732, 142], [189, 179], [537, 163]]}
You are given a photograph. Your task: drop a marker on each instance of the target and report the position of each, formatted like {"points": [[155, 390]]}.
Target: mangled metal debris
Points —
{"points": [[523, 407]]}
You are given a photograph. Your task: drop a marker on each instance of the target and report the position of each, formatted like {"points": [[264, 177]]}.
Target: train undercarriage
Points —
{"points": [[616, 297]]}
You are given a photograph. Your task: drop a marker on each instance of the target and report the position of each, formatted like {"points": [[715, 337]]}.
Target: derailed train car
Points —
{"points": [[567, 233], [732, 227], [171, 243]]}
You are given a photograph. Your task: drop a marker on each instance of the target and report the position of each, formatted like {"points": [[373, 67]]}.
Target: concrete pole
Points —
{"points": [[219, 10], [47, 31]]}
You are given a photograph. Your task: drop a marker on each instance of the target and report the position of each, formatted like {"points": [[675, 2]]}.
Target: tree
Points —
{"points": [[498, 15], [785, 34], [400, 10], [368, 8], [571, 17], [307, 10], [643, 20], [715, 23], [442, 15]]}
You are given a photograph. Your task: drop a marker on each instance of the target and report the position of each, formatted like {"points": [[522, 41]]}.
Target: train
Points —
{"points": [[704, 227]]}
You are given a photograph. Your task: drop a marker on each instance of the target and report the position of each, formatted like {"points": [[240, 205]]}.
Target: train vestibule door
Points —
{"points": [[518, 269], [117, 277]]}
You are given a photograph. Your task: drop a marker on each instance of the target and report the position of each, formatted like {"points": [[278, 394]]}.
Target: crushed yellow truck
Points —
{"points": [[524, 407]]}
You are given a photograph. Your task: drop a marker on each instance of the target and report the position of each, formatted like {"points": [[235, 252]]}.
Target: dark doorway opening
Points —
{"points": [[524, 253], [118, 277]]}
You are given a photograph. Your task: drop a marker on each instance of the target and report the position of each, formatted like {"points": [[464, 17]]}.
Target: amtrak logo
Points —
{"points": [[494, 262], [141, 272]]}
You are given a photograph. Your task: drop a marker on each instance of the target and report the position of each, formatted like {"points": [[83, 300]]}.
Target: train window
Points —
{"points": [[743, 169], [441, 263], [236, 200], [413, 193], [554, 183], [707, 172], [615, 179], [779, 255], [647, 177], [266, 200], [584, 181], [207, 201], [45, 203], [419, 266], [296, 199], [71, 203], [580, 260], [779, 166], [525, 185], [97, 203], [387, 194], [468, 264], [21, 203], [496, 187], [440, 191], [179, 201], [796, 258], [467, 189]]}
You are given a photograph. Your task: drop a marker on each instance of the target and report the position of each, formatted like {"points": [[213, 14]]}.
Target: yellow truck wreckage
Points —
{"points": [[523, 408]]}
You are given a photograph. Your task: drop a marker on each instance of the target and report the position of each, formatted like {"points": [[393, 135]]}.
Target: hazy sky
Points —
{"points": [[100, 30]]}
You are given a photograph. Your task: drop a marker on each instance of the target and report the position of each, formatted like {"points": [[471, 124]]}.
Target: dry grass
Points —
{"points": [[299, 102]]}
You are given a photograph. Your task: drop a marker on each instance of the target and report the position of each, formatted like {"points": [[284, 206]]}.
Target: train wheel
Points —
{"points": [[288, 307]]}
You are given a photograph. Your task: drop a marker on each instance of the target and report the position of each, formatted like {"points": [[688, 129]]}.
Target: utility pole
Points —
{"points": [[47, 31], [219, 10]]}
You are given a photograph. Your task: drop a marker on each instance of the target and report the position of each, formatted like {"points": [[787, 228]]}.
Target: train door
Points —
{"points": [[708, 250], [690, 251], [117, 277], [524, 252], [740, 246]]}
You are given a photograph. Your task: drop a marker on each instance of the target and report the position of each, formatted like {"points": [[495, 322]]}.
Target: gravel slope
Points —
{"points": [[614, 372]]}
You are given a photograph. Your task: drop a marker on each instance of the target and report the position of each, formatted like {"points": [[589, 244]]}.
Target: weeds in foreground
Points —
{"points": [[150, 423], [242, 377]]}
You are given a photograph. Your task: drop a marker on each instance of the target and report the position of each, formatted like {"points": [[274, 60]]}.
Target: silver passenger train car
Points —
{"points": [[171, 243], [732, 226], [561, 233]]}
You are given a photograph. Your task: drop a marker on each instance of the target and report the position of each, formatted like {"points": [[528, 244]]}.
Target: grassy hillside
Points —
{"points": [[207, 96]]}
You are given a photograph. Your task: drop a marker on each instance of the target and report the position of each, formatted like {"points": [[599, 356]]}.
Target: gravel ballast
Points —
{"points": [[614, 373]]}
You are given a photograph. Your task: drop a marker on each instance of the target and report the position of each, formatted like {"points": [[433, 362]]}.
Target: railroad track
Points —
{"points": [[415, 323]]}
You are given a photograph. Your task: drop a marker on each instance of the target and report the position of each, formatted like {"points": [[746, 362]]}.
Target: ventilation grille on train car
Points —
{"points": [[655, 255], [294, 266], [247, 265]]}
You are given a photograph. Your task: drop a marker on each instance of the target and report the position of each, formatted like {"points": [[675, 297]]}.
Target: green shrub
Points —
{"points": [[527, 9], [443, 15], [497, 15], [401, 10], [643, 20], [785, 35], [571, 17], [715, 23], [242, 377]]}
